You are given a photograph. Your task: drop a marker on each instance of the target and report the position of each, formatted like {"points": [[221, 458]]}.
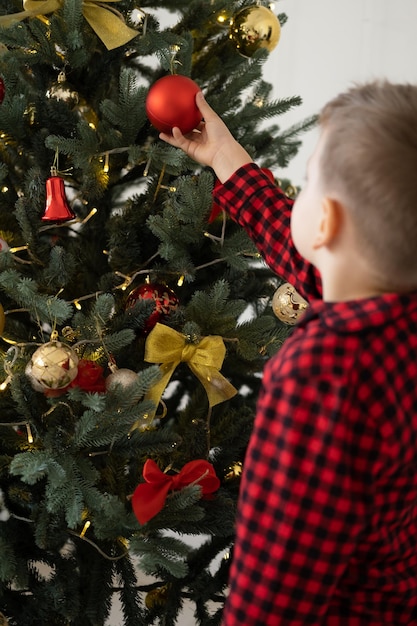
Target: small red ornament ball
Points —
{"points": [[171, 102], [2, 90], [164, 298]]}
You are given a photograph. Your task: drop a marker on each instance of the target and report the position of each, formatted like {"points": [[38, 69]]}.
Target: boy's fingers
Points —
{"points": [[205, 109], [165, 137], [172, 139], [177, 134]]}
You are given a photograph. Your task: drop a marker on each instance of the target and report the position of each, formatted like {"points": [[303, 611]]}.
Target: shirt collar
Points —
{"points": [[355, 315]]}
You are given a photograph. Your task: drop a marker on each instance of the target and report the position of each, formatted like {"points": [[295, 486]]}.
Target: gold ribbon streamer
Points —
{"points": [[168, 347], [106, 22]]}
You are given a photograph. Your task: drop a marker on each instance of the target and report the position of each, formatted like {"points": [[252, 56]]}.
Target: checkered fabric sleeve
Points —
{"points": [[258, 205]]}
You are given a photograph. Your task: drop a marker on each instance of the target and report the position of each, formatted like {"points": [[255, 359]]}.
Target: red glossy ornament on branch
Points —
{"points": [[171, 102], [2, 90], [164, 298], [57, 207]]}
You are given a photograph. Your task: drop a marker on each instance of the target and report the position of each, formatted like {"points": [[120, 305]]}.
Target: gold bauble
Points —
{"points": [[62, 90], [52, 366], [288, 305], [253, 28], [156, 597]]}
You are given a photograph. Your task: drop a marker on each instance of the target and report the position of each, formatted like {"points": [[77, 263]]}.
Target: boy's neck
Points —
{"points": [[348, 279]]}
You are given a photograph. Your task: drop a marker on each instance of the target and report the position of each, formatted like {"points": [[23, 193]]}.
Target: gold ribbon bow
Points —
{"points": [[168, 347], [106, 22]]}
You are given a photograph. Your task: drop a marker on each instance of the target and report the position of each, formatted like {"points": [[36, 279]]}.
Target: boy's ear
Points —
{"points": [[330, 222]]}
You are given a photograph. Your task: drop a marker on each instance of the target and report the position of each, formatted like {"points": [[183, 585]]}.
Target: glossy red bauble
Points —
{"points": [[2, 90], [171, 102], [164, 298]]}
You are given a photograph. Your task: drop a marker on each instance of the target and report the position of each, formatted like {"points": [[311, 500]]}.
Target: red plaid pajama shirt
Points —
{"points": [[327, 521]]}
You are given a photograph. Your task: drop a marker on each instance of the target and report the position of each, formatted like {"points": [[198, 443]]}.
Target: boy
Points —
{"points": [[327, 520]]}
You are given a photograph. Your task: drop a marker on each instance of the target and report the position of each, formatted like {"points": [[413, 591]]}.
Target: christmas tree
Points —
{"points": [[135, 317]]}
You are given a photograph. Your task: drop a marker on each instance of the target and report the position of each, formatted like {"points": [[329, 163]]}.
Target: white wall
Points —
{"points": [[326, 45]]}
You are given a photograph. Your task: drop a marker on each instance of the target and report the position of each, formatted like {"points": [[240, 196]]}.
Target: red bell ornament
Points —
{"points": [[57, 208]]}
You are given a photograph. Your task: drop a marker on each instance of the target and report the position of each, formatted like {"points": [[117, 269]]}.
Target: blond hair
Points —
{"points": [[370, 158]]}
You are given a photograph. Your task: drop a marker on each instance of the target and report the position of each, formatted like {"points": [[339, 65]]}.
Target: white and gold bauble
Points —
{"points": [[288, 305], [52, 366]]}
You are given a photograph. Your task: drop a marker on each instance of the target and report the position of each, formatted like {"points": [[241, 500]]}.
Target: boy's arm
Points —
{"points": [[258, 205], [250, 198]]}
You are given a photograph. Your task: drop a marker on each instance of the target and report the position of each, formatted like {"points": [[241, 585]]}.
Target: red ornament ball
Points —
{"points": [[2, 90], [171, 102], [164, 298]]}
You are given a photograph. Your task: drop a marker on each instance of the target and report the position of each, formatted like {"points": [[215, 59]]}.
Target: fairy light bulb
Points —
{"points": [[29, 433], [85, 528]]}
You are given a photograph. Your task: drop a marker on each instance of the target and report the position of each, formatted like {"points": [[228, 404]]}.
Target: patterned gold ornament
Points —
{"points": [[62, 90], [52, 366], [253, 28], [288, 305]]}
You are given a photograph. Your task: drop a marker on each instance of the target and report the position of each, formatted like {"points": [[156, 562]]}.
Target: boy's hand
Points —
{"points": [[211, 143]]}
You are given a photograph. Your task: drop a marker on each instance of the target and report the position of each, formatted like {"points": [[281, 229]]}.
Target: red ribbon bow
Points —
{"points": [[149, 497]]}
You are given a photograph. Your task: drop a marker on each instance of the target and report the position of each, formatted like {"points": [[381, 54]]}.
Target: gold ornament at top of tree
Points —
{"points": [[288, 305], [253, 28]]}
